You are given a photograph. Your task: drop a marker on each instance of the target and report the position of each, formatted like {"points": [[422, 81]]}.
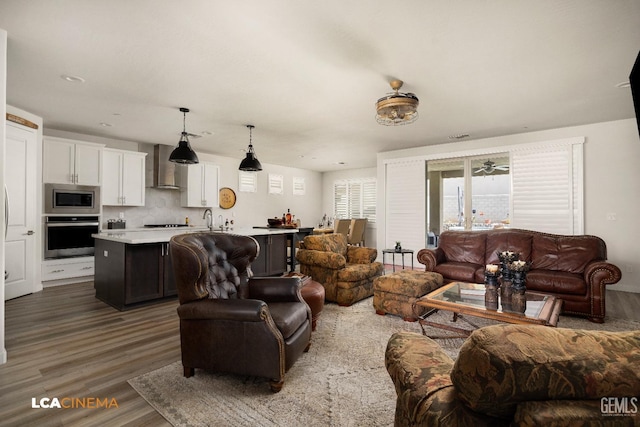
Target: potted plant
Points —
{"points": [[398, 247]]}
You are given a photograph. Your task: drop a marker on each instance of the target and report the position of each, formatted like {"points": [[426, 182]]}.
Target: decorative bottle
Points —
{"points": [[288, 217]]}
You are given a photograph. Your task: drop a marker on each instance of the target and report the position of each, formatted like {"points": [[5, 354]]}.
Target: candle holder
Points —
{"points": [[506, 290], [506, 258], [519, 301], [518, 271], [491, 297], [491, 278]]}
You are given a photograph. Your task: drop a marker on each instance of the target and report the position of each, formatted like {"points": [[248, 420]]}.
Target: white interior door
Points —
{"points": [[20, 181]]}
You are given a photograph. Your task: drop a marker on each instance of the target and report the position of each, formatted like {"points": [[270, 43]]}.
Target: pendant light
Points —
{"points": [[183, 152], [250, 163]]}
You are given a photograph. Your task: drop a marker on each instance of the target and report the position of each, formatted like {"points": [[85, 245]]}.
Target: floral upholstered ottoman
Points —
{"points": [[396, 293]]}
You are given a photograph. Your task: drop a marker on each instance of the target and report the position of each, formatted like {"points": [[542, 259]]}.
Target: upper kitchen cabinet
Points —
{"points": [[199, 185], [72, 162], [123, 178]]}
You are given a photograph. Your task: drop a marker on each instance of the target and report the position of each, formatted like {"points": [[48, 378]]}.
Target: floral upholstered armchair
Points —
{"points": [[524, 375], [346, 272]]}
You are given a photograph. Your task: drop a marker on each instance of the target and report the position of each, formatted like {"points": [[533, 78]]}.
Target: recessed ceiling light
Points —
{"points": [[623, 85], [339, 163], [72, 79], [459, 136], [105, 125]]}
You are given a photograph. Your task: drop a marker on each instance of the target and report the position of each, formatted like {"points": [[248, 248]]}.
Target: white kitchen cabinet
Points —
{"points": [[67, 268], [199, 185], [123, 178], [72, 162]]}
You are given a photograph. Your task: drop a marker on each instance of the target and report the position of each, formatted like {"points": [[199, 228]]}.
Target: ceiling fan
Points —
{"points": [[490, 167]]}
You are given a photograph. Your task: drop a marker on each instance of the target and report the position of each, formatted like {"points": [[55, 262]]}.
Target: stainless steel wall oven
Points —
{"points": [[69, 236]]}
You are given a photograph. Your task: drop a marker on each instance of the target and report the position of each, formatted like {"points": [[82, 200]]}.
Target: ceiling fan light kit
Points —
{"points": [[250, 162], [489, 167], [183, 152], [397, 108]]}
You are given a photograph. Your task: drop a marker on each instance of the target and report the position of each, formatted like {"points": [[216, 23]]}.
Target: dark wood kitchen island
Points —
{"points": [[133, 268]]}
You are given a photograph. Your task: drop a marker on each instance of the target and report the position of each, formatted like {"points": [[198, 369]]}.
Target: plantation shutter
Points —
{"points": [[547, 189], [369, 200], [340, 200], [247, 181], [355, 200], [405, 205]]}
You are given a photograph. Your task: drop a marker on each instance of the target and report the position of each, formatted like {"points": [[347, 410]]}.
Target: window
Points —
{"points": [[247, 181], [355, 199], [276, 184]]}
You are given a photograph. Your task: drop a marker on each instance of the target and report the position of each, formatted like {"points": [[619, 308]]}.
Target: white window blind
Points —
{"points": [[247, 181], [276, 184], [355, 199], [547, 189], [405, 190], [298, 186]]}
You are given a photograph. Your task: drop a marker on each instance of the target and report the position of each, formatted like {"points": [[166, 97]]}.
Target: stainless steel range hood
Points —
{"points": [[160, 172]]}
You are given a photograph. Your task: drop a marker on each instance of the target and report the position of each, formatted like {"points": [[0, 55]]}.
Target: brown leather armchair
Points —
{"points": [[229, 321]]}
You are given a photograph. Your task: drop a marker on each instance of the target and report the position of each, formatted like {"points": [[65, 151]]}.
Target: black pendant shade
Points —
{"points": [[250, 162], [183, 152]]}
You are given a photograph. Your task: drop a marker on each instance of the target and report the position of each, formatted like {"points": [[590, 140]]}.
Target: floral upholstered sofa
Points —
{"points": [[524, 375], [345, 271], [573, 268]]}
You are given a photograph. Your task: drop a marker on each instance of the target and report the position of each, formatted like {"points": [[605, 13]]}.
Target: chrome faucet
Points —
{"points": [[208, 215]]}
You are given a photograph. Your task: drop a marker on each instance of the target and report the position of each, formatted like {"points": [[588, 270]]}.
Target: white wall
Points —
{"points": [[612, 184], [251, 209]]}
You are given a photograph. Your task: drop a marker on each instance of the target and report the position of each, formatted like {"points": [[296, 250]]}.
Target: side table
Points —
{"points": [[313, 294], [393, 253]]}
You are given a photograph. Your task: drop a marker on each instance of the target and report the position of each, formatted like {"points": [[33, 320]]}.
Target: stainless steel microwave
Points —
{"points": [[68, 199]]}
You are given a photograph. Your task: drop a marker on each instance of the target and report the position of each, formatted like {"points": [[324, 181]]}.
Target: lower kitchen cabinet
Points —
{"points": [[127, 275], [272, 259]]}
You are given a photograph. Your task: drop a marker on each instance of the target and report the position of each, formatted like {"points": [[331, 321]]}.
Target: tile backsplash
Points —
{"points": [[162, 206]]}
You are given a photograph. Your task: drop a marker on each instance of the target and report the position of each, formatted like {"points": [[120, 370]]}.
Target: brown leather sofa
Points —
{"points": [[573, 268], [229, 321], [517, 375]]}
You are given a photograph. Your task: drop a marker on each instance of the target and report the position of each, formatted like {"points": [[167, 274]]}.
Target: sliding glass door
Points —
{"points": [[470, 193]]}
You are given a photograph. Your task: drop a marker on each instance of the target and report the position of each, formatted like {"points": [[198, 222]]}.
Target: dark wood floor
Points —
{"points": [[63, 342]]}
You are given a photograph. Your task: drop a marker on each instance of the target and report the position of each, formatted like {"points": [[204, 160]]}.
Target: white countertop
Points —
{"points": [[163, 235]]}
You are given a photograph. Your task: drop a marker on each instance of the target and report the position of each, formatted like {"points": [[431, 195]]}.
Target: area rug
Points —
{"points": [[341, 381]]}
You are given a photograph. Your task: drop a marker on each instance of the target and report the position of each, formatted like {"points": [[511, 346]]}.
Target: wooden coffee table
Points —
{"points": [[462, 298]]}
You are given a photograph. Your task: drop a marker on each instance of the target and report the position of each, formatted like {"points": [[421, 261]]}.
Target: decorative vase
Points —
{"points": [[398, 247]]}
